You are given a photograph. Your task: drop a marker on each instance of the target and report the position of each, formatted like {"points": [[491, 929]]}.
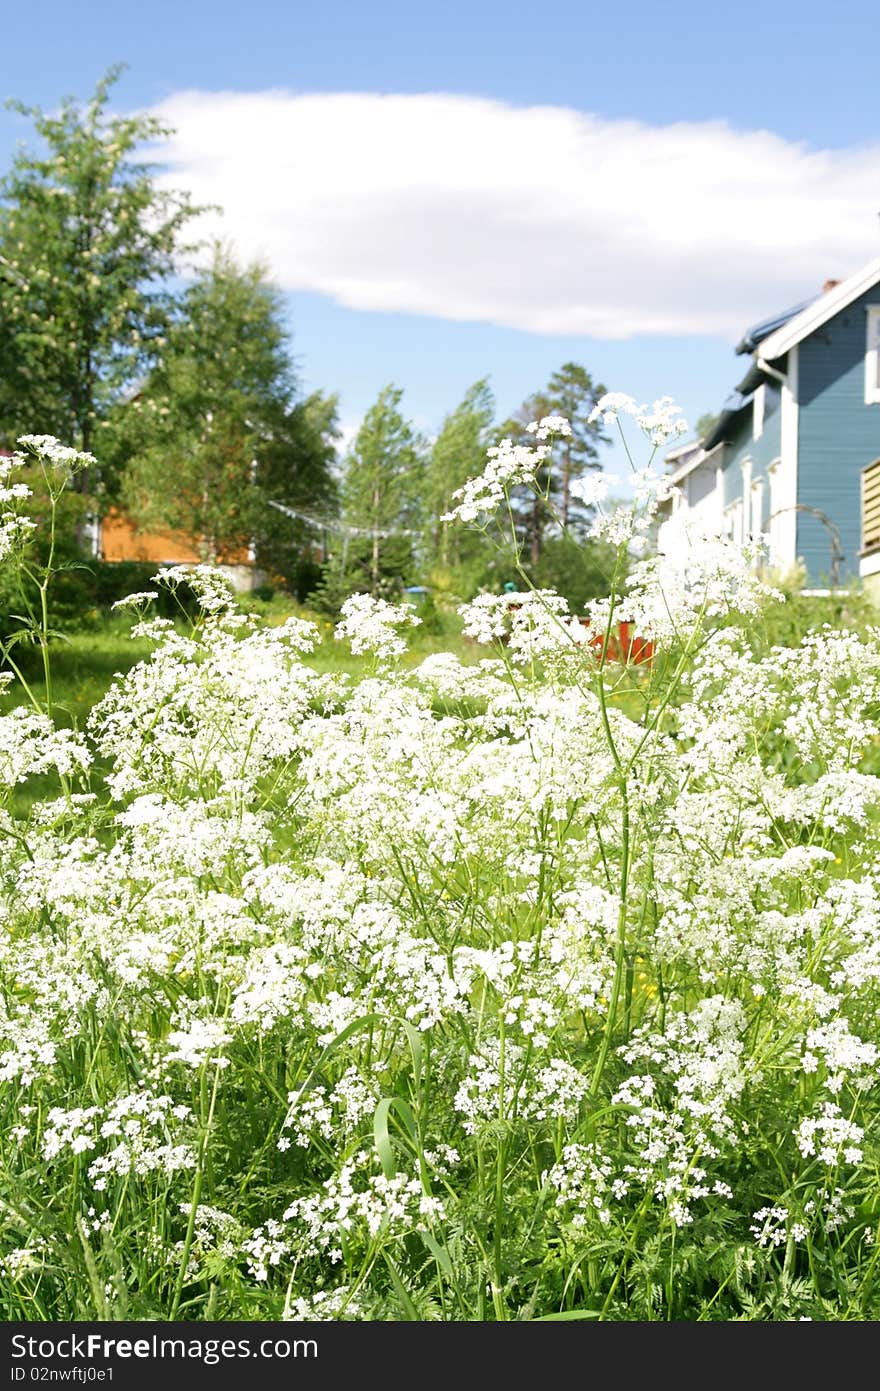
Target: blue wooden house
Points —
{"points": [[795, 455]]}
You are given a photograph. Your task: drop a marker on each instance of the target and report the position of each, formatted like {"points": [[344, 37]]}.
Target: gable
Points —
{"points": [[820, 311]]}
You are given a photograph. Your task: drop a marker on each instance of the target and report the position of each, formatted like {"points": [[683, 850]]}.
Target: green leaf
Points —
{"points": [[416, 1048], [412, 1312], [568, 1314], [440, 1254], [381, 1135]]}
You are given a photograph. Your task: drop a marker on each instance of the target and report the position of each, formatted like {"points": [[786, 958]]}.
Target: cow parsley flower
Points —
{"points": [[660, 422], [371, 625], [137, 600], [508, 465], [830, 1137], [548, 426]]}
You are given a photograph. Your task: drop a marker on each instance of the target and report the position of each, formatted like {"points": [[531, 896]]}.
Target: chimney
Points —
{"points": [[829, 285]]}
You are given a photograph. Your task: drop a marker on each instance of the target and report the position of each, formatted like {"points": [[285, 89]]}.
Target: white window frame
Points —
{"points": [[758, 406], [872, 355], [746, 468], [774, 470], [774, 479], [719, 498], [757, 509], [733, 521]]}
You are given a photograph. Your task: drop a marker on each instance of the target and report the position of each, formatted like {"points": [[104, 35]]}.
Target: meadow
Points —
{"points": [[353, 973]]}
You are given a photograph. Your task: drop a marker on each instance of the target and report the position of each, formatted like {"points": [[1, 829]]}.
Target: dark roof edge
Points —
{"points": [[755, 335]]}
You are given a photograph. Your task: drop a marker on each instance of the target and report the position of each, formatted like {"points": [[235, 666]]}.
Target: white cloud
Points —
{"points": [[539, 218]]}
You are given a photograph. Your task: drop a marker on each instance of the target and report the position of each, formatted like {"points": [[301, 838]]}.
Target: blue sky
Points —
{"points": [[710, 168]]}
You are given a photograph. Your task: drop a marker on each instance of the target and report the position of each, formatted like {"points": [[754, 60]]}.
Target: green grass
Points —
{"points": [[84, 665], [86, 661]]}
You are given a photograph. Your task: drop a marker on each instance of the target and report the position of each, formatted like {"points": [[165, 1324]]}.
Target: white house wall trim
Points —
{"points": [[783, 530], [872, 355], [759, 406], [870, 564]]}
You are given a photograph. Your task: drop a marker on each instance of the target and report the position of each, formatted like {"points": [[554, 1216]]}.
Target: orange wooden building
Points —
{"points": [[119, 539], [116, 538]]}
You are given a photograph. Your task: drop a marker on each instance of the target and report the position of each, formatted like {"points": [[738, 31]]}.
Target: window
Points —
{"points": [[872, 355], [871, 507]]}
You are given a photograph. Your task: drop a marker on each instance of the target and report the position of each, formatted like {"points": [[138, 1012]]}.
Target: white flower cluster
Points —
{"points": [[371, 625], [660, 421], [775, 1225], [265, 1249], [830, 1137], [533, 623], [352, 1207], [136, 601], [508, 465], [496, 1084], [359, 1205], [771, 1227], [25, 1052], [22, 1261], [51, 451], [593, 488], [584, 1184], [701, 576], [139, 1124], [217, 711], [212, 588], [216, 1239], [198, 1044], [846, 1058], [14, 527], [681, 1115], [48, 452], [549, 426], [329, 1113], [31, 744], [326, 1306]]}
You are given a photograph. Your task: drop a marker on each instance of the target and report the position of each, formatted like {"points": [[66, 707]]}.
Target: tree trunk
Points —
{"points": [[375, 562], [566, 485]]}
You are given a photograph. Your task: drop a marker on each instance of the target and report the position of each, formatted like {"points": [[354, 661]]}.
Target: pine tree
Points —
{"points": [[571, 393]]}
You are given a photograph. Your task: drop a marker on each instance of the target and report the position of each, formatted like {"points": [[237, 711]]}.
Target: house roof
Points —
{"points": [[759, 332], [683, 451], [693, 456], [737, 401], [771, 340], [744, 394], [813, 315]]}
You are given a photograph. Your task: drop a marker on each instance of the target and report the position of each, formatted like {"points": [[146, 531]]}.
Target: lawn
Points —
{"points": [[85, 659]]}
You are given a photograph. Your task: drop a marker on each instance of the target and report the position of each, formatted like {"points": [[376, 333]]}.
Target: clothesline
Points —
{"points": [[332, 524]]}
